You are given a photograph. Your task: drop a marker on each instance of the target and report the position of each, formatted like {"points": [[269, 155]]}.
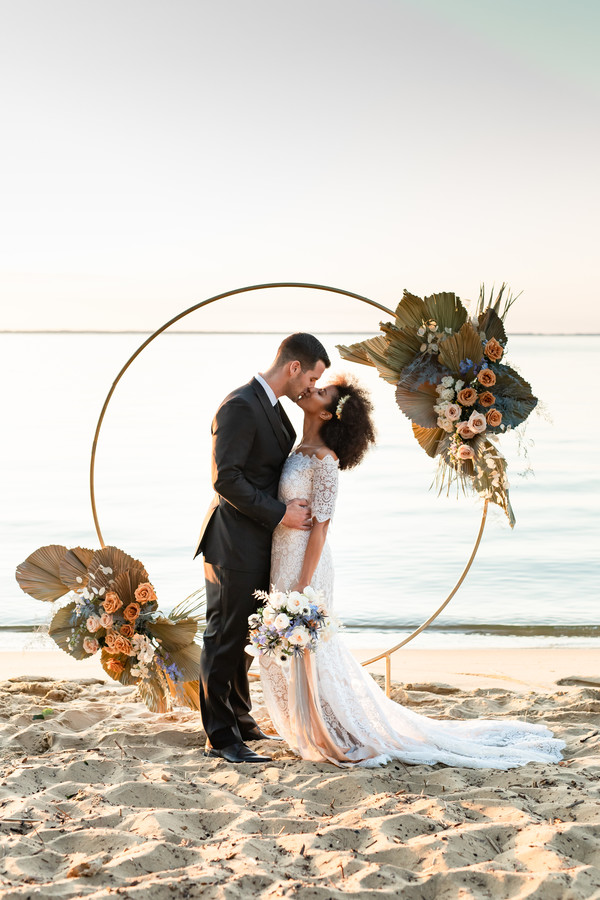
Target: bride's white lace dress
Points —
{"points": [[327, 707]]}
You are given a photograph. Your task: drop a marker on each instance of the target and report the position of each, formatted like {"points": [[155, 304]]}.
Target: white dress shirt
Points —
{"points": [[268, 389]]}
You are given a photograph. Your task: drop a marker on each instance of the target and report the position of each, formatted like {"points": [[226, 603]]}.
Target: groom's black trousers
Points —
{"points": [[225, 698]]}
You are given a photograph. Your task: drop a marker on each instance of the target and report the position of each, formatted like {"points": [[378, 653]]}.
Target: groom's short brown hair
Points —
{"points": [[305, 348]]}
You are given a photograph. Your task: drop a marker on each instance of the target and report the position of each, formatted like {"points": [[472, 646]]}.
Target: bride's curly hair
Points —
{"points": [[350, 431]]}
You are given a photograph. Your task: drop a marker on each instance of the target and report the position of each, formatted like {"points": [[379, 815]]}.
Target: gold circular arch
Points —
{"points": [[257, 287]]}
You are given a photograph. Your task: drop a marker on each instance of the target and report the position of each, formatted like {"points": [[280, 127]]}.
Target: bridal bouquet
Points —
{"points": [[288, 624], [114, 612], [453, 384]]}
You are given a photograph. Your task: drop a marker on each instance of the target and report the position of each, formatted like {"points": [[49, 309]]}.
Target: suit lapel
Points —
{"points": [[273, 418]]}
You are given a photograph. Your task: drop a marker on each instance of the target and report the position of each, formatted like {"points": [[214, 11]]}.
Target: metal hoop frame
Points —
{"points": [[257, 287]]}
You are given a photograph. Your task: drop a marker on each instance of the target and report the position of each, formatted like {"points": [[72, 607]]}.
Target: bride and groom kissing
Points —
{"points": [[267, 528]]}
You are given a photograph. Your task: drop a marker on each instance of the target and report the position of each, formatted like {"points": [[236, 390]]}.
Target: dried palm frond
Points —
{"points": [[73, 568], [464, 345], [446, 310], [116, 562], [357, 353], [173, 636], [491, 325], [187, 660], [496, 303], [39, 575], [410, 312], [430, 439], [403, 345], [62, 632], [126, 583], [417, 404], [187, 694], [513, 395], [193, 607], [155, 694]]}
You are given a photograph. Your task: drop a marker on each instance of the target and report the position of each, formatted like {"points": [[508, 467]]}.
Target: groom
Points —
{"points": [[252, 437]]}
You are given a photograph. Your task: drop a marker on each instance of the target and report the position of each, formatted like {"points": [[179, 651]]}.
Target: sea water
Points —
{"points": [[399, 548]]}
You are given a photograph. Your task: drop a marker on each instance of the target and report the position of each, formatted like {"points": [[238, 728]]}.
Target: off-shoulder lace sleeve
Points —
{"points": [[325, 486]]}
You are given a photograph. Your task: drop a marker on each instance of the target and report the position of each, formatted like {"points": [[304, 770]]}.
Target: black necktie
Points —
{"points": [[278, 411]]}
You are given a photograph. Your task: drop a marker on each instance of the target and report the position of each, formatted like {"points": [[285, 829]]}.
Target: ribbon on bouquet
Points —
{"points": [[306, 721]]}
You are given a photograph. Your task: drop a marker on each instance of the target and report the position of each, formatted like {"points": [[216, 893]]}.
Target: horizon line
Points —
{"points": [[261, 331]]}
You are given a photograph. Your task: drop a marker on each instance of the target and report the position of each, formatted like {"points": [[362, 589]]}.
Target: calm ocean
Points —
{"points": [[399, 548]]}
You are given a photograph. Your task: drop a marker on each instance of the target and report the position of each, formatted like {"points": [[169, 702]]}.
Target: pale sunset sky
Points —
{"points": [[157, 152]]}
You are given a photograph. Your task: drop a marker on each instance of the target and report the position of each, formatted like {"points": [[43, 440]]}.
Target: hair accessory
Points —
{"points": [[340, 406]]}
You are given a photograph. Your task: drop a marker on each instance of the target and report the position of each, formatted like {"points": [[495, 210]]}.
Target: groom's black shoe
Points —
{"points": [[236, 753], [257, 735]]}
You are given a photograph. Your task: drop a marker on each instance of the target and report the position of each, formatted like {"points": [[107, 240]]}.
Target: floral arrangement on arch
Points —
{"points": [[115, 613], [453, 384]]}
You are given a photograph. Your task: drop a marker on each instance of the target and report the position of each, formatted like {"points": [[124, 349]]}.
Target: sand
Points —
{"points": [[104, 798]]}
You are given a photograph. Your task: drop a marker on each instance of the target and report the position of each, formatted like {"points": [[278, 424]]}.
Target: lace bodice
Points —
{"points": [[327, 707], [315, 480], [312, 478]]}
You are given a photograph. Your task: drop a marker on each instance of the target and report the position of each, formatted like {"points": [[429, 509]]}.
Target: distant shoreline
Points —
{"points": [[264, 331]]}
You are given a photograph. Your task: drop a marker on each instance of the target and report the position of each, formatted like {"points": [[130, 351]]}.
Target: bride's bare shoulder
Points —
{"points": [[324, 452]]}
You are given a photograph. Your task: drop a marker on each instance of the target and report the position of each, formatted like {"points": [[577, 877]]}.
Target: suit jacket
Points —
{"points": [[248, 451]]}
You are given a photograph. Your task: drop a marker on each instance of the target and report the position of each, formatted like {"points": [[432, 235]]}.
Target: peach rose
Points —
{"points": [[453, 412], [93, 624], [91, 645], [486, 377], [493, 350], [115, 667], [122, 645], [477, 422], [467, 396], [110, 640], [106, 621], [144, 593], [126, 630], [465, 431], [487, 398], [112, 602], [131, 612], [465, 452], [493, 417]]}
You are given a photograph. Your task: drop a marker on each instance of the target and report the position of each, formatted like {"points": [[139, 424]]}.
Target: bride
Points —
{"points": [[325, 705]]}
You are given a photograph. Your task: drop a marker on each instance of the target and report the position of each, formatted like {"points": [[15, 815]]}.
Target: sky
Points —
{"points": [[158, 152]]}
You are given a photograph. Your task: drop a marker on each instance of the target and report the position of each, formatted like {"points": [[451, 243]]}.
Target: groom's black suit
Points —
{"points": [[251, 440]]}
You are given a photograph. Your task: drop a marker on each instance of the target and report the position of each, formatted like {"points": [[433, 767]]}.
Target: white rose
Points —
{"points": [[310, 593], [251, 650], [447, 394], [294, 603], [299, 637], [269, 615], [447, 380], [281, 622], [277, 598]]}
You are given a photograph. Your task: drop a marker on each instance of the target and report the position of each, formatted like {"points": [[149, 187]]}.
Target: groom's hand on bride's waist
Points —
{"points": [[297, 515]]}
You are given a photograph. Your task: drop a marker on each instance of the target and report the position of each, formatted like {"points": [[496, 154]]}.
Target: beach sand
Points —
{"points": [[104, 798]]}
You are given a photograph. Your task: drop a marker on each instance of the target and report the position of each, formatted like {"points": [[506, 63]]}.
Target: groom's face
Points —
{"points": [[300, 381]]}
